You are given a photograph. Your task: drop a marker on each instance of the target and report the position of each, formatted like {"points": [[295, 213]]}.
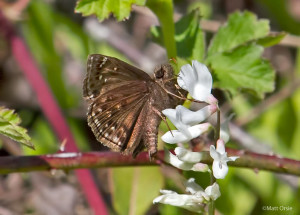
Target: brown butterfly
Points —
{"points": [[125, 103]]}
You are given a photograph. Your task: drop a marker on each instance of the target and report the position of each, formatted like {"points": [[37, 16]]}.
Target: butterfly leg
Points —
{"points": [[179, 91], [162, 117]]}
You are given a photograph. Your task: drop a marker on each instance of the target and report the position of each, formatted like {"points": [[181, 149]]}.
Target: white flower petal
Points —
{"points": [[199, 92], [220, 169], [224, 135], [213, 153], [200, 167], [203, 195], [233, 158], [179, 124], [224, 158], [171, 114], [197, 130], [183, 79], [174, 161], [179, 137], [194, 202], [167, 191], [213, 191], [181, 83], [174, 137], [224, 132], [192, 187], [203, 75], [220, 146], [188, 156], [189, 117], [189, 202], [175, 116], [197, 80], [173, 199], [195, 117]]}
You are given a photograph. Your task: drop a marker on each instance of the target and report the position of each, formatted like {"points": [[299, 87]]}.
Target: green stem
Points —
{"points": [[211, 208], [211, 205], [163, 9], [218, 127]]}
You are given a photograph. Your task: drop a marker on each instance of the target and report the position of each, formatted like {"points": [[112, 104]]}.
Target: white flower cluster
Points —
{"points": [[195, 201], [197, 80]]}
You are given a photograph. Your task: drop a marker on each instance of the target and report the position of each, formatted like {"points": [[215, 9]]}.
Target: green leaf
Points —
{"points": [[9, 126], [243, 68], [235, 54], [189, 37], [103, 8], [135, 194], [272, 39], [240, 29]]}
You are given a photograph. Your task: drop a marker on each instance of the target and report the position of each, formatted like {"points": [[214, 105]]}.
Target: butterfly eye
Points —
{"points": [[159, 73]]}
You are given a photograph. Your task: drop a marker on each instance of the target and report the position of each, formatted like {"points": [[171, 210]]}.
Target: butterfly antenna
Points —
{"points": [[173, 59], [184, 98], [170, 79]]}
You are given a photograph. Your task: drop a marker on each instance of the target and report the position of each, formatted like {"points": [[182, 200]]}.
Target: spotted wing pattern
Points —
{"points": [[107, 73], [117, 93]]}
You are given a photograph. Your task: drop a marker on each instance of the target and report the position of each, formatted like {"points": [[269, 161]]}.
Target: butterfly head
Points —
{"points": [[163, 72]]}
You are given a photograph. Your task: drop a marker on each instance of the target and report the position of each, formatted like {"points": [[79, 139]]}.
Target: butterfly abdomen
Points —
{"points": [[150, 133]]}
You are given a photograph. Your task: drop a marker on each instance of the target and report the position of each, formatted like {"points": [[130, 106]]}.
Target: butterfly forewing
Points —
{"points": [[106, 73], [117, 93]]}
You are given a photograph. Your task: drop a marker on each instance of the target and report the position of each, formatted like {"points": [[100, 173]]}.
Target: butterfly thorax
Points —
{"points": [[159, 99]]}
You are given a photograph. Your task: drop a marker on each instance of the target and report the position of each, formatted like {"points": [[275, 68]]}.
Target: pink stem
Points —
{"points": [[68, 161], [51, 111]]}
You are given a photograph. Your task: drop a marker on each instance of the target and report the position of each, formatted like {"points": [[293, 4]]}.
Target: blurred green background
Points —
{"points": [[60, 41]]}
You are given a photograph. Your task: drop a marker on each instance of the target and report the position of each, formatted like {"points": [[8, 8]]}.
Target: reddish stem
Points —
{"points": [[68, 161], [51, 110]]}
